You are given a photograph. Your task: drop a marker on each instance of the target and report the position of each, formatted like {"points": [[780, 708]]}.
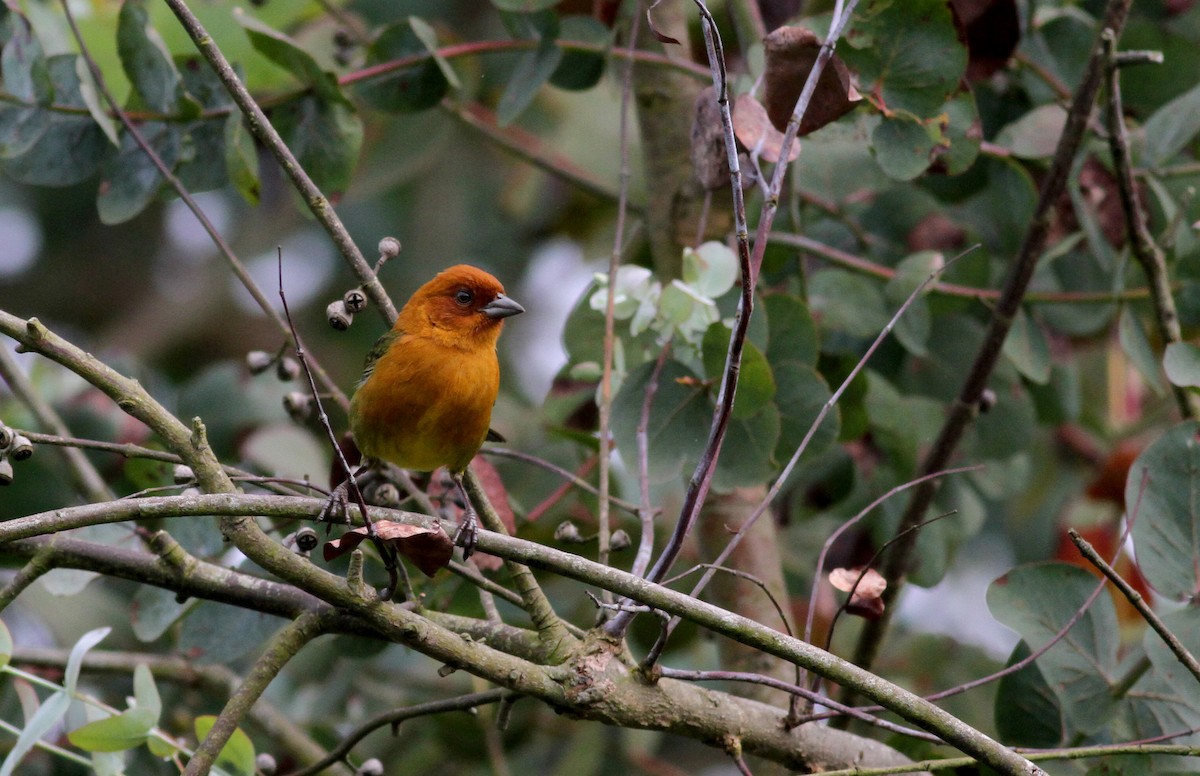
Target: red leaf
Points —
{"points": [[429, 549]]}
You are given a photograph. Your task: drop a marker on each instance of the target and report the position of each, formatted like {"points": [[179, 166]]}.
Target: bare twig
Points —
{"points": [[1170, 639], [1142, 243]]}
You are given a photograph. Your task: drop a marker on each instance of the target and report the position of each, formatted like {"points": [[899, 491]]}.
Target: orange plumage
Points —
{"points": [[426, 395]]}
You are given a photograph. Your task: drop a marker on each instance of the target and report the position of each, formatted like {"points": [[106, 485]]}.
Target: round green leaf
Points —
{"points": [[1027, 349], [579, 70], [903, 146], [1034, 135], [908, 53], [711, 269], [1137, 348], [800, 394], [1166, 527], [680, 416], [747, 453], [791, 333], [325, 137], [416, 87], [848, 303], [129, 180], [1026, 710], [1182, 364], [961, 132], [1037, 600]]}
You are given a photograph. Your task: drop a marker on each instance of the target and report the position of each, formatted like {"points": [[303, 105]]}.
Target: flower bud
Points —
{"points": [[568, 532], [299, 406], [182, 473], [21, 448], [259, 361], [389, 247], [287, 368], [619, 540]]}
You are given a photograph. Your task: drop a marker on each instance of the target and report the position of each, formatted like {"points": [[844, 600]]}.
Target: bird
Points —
{"points": [[426, 394]]}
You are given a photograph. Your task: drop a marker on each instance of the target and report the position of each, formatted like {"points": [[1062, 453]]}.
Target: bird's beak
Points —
{"points": [[502, 307]]}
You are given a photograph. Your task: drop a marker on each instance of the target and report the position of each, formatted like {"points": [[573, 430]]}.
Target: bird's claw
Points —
{"points": [[336, 507], [467, 535]]}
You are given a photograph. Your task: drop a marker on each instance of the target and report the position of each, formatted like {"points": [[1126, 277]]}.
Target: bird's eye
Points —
{"points": [[463, 297]]}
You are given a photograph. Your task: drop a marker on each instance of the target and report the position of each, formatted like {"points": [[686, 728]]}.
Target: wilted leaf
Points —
{"points": [[866, 588], [429, 549], [756, 133], [790, 55]]}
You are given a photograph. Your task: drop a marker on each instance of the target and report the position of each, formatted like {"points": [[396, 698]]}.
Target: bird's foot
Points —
{"points": [[467, 535], [336, 507]]}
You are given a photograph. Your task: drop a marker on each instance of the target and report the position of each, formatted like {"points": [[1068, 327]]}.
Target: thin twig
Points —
{"points": [[646, 512], [574, 479], [1170, 639], [614, 262]]}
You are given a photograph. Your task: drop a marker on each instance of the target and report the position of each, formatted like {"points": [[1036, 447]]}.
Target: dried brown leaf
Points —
{"points": [[790, 55], [429, 549], [756, 133]]}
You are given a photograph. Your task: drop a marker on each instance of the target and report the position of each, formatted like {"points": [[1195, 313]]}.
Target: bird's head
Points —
{"points": [[462, 301]]}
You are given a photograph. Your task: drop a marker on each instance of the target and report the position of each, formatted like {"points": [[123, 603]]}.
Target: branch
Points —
{"points": [[963, 411], [1142, 243], [598, 686]]}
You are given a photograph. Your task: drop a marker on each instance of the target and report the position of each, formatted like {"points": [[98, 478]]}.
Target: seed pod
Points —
{"points": [[306, 540], [287, 369], [6, 472], [389, 247], [339, 317], [21, 448], [355, 300], [987, 400], [619, 540], [182, 473], [259, 361], [299, 406], [266, 763], [6, 436], [387, 495], [372, 767], [568, 532]]}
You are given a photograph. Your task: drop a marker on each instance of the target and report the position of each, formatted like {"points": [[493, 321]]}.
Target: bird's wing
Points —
{"points": [[377, 350]]}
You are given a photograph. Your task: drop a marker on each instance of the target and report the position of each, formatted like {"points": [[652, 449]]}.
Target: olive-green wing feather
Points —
{"points": [[376, 352]]}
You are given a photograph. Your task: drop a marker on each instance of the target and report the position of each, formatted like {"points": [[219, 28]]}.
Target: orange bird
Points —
{"points": [[426, 394]]}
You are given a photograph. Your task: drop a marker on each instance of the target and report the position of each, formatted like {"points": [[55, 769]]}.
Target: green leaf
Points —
{"points": [[747, 454], [579, 70], [961, 132], [1026, 710], [129, 181], [146, 60], [1034, 135], [680, 416], [1166, 532], [241, 159], [145, 692], [47, 716], [1027, 349], [288, 54], [533, 70], [114, 734], [96, 107], [1182, 364], [416, 87], [237, 754], [325, 137], [711, 269], [524, 6], [800, 395], [1137, 348], [903, 146], [71, 146], [907, 52], [6, 645], [428, 38], [848, 303], [24, 66], [912, 328], [1037, 600], [1184, 624], [1171, 128], [756, 385], [791, 333]]}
